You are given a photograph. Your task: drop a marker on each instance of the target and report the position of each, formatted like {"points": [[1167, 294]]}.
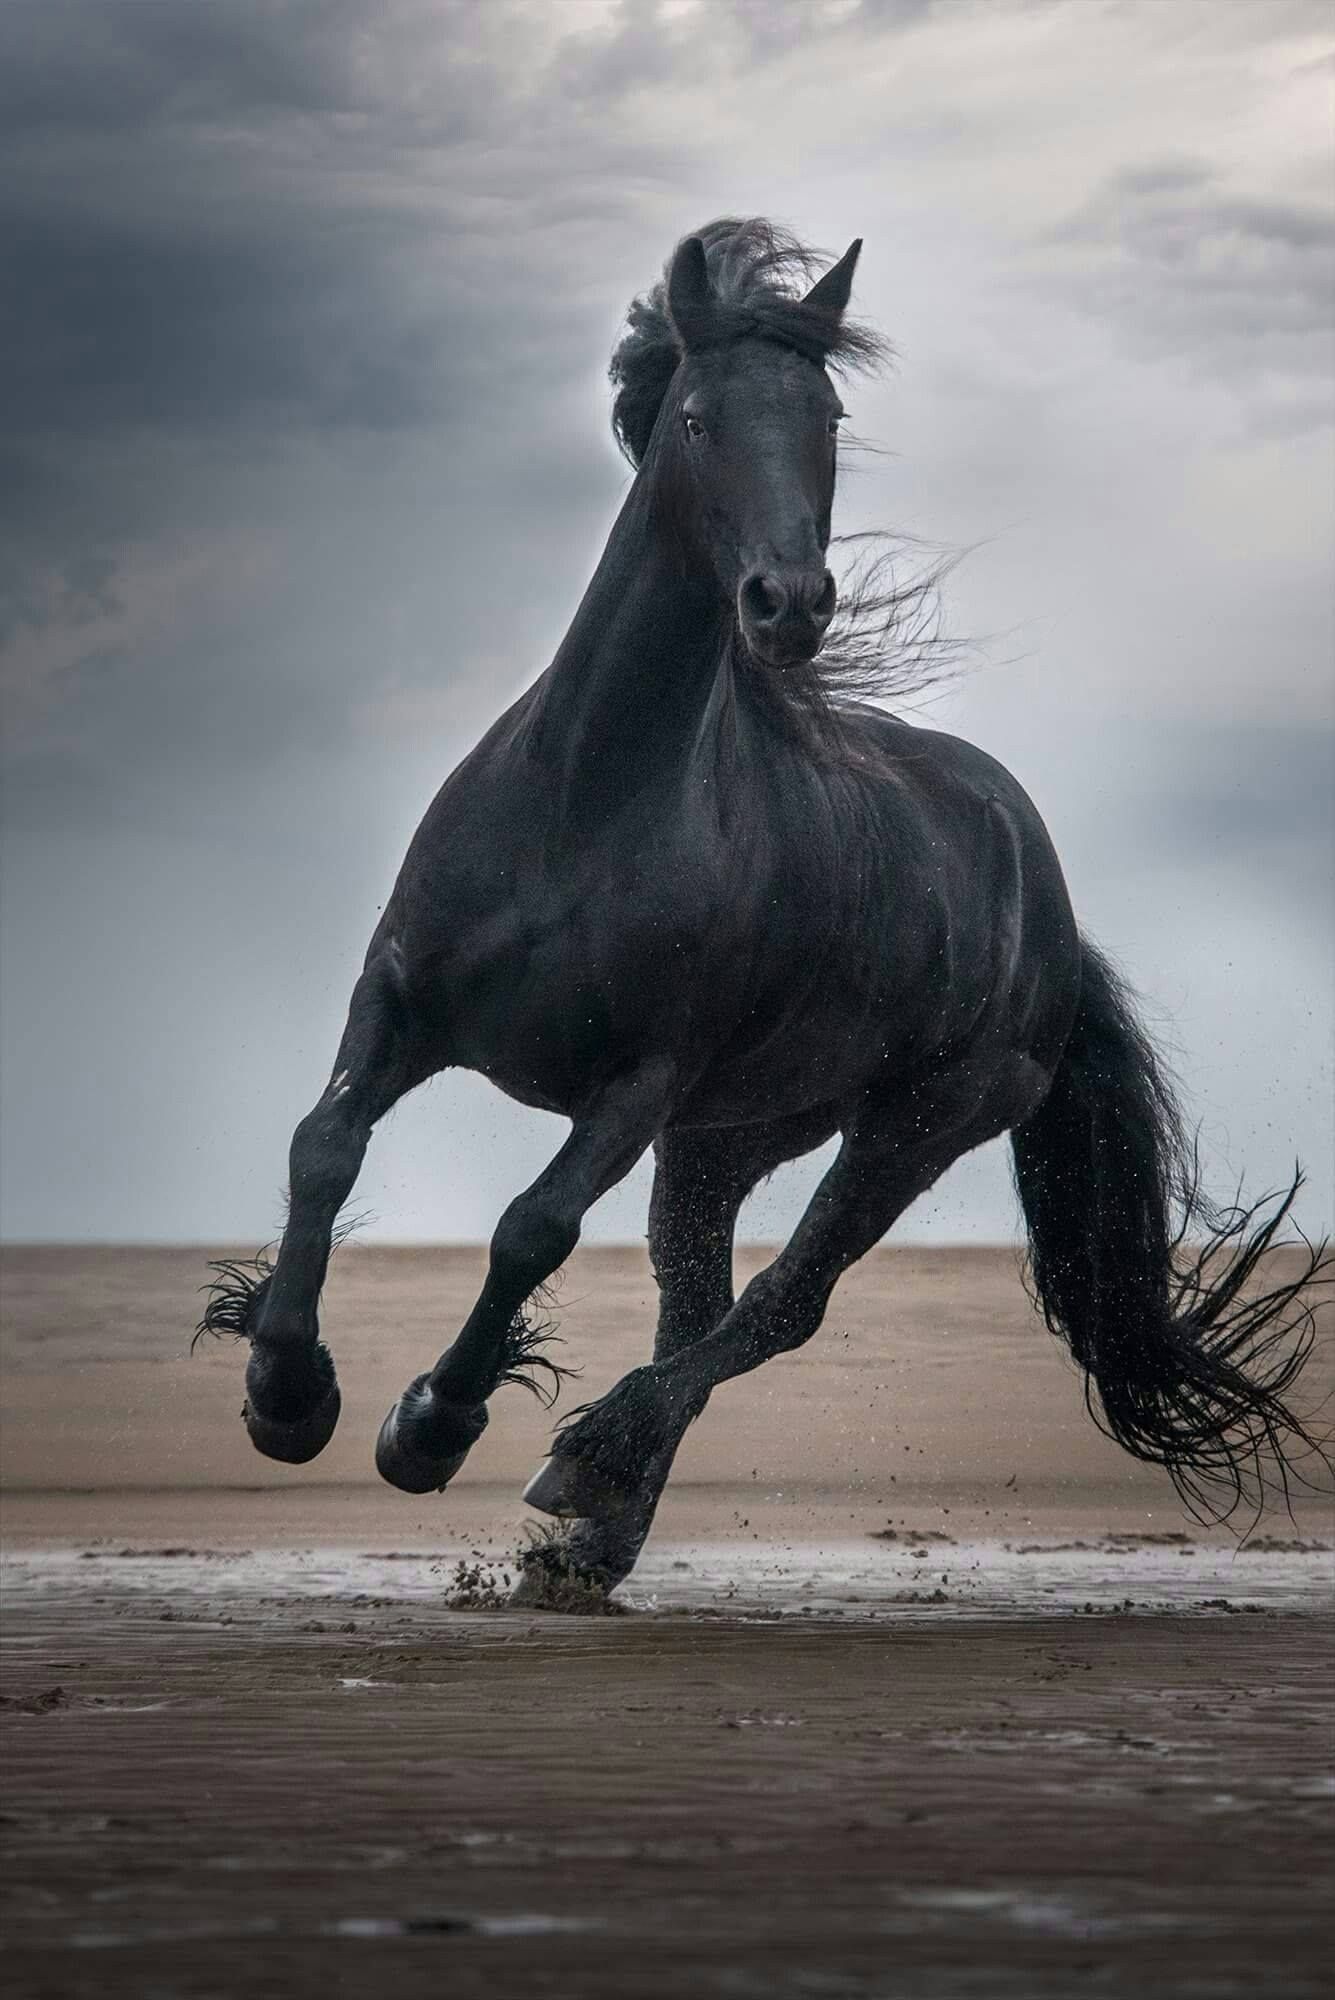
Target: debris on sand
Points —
{"points": [[547, 1581], [34, 1704], [1143, 1538], [165, 1554], [910, 1535], [477, 1585], [1112, 1543], [550, 1581]]}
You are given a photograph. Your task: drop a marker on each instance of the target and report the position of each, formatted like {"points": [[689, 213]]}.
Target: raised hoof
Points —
{"points": [[411, 1452], [295, 1443], [567, 1488], [284, 1430]]}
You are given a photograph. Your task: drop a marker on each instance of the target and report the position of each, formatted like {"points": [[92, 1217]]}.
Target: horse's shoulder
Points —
{"points": [[934, 756]]}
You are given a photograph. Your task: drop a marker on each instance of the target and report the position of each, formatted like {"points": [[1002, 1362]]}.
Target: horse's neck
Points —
{"points": [[625, 698]]}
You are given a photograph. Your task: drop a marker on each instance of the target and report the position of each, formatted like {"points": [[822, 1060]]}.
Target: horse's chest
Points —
{"points": [[559, 981], [738, 957]]}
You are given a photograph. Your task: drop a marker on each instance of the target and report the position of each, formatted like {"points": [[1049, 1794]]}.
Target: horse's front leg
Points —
{"points": [[292, 1397], [440, 1416]]}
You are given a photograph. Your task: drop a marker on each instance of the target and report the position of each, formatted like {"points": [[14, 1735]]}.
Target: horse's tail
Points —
{"points": [[1187, 1364]]}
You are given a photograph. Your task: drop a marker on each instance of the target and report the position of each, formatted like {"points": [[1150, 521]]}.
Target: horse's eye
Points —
{"points": [[835, 423], [695, 430]]}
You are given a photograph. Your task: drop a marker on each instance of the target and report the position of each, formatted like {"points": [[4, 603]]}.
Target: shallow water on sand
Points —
{"points": [[871, 1581], [789, 1771]]}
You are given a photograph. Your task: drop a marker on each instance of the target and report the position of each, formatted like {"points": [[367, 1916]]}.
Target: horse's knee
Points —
{"points": [[794, 1327], [532, 1239], [326, 1152], [777, 1314]]}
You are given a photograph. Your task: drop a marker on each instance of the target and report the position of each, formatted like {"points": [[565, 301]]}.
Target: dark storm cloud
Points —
{"points": [[84, 66], [115, 327], [231, 237], [231, 217], [298, 215]]}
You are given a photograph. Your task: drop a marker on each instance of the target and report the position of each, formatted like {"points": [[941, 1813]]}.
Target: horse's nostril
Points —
{"points": [[823, 608], [763, 599]]}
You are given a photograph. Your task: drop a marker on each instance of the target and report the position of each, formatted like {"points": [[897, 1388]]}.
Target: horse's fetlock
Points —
{"points": [[619, 1434], [236, 1297], [437, 1422], [285, 1384], [282, 1332], [425, 1438], [455, 1427]]}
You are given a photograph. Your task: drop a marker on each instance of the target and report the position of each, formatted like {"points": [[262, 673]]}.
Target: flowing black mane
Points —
{"points": [[753, 267]]}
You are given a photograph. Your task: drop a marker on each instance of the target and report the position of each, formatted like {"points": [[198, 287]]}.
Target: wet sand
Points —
{"points": [[923, 1688]]}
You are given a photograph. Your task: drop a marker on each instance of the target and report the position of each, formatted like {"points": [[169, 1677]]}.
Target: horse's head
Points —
{"points": [[749, 438]]}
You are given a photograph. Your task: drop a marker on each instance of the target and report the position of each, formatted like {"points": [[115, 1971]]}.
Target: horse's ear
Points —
{"points": [[690, 294], [830, 293]]}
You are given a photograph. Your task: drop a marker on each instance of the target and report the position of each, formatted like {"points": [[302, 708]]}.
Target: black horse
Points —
{"points": [[692, 894]]}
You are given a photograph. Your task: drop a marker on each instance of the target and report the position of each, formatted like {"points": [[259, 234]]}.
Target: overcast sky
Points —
{"points": [[305, 463]]}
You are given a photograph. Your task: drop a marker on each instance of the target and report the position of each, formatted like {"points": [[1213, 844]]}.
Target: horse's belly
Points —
{"points": [[789, 1064]]}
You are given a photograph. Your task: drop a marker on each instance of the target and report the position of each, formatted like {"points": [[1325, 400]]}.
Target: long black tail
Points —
{"points": [[1187, 1363]]}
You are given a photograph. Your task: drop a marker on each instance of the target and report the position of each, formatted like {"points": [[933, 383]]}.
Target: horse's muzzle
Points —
{"points": [[785, 613]]}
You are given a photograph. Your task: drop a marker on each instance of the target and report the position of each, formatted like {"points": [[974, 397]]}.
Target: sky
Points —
{"points": [[305, 462]]}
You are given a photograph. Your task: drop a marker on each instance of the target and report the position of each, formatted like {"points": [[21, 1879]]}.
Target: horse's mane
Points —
{"points": [[754, 269], [886, 637]]}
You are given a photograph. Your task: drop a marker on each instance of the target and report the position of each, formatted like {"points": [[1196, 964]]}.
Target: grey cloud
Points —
{"points": [[1240, 287], [1258, 797], [642, 45], [203, 269], [115, 327], [1151, 178], [229, 237], [79, 67], [288, 214]]}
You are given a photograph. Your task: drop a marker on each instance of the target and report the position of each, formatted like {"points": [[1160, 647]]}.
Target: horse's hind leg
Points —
{"points": [[700, 1183], [894, 1148], [292, 1398], [701, 1179]]}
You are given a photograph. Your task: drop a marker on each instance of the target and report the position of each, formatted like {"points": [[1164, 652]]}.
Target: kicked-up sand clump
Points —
{"points": [[549, 1580], [478, 1585]]}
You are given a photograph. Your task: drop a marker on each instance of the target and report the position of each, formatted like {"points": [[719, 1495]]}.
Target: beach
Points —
{"points": [[921, 1686]]}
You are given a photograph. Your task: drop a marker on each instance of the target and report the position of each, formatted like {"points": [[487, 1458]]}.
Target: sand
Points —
{"points": [[922, 1686]]}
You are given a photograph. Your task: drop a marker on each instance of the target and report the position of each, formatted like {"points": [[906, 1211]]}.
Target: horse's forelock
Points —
{"points": [[754, 270]]}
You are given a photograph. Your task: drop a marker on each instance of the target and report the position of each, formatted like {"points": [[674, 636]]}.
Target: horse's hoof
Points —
{"points": [[422, 1443], [577, 1567], [295, 1443], [292, 1403], [570, 1490], [552, 1586]]}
